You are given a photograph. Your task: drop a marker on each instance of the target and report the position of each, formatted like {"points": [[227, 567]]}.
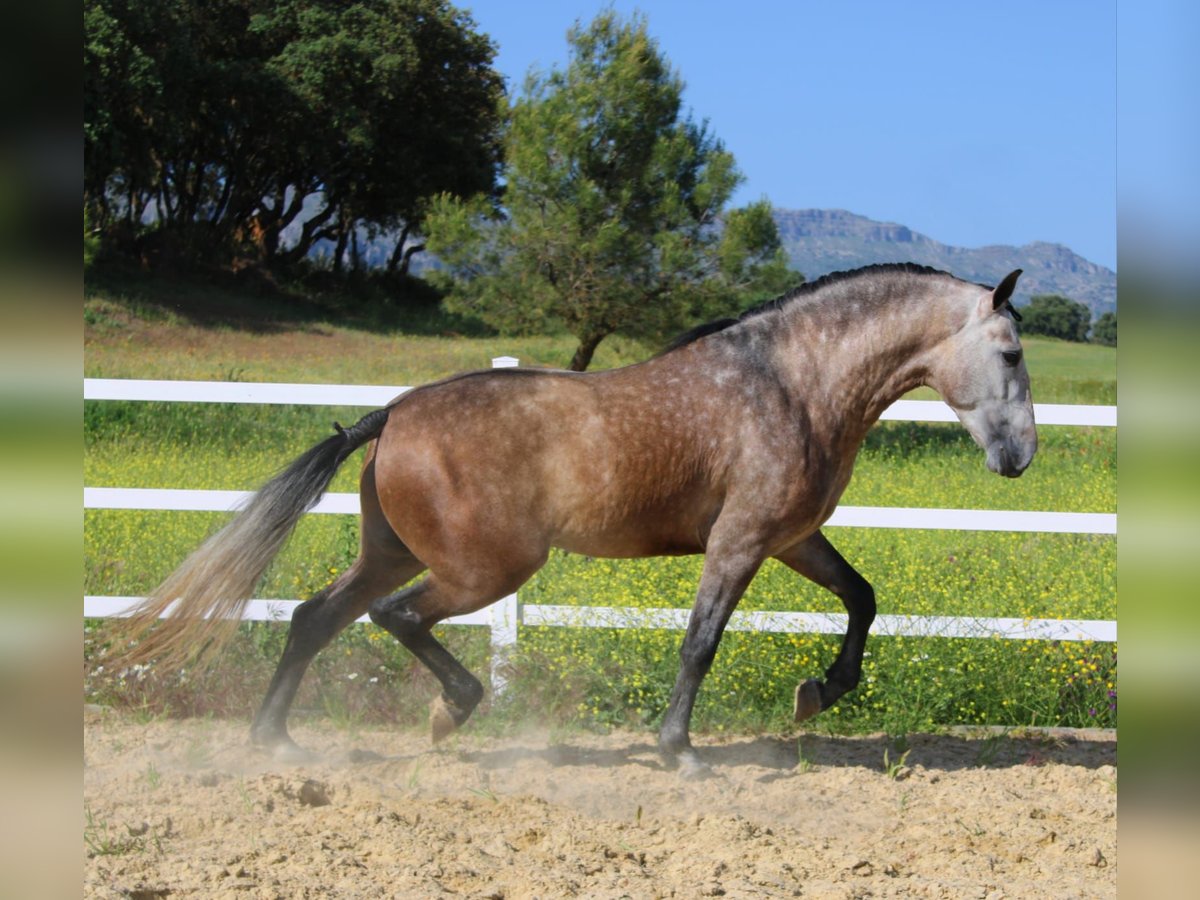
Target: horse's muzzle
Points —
{"points": [[1007, 460]]}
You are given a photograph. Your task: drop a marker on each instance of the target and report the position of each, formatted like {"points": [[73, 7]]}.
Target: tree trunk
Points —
{"points": [[272, 221], [345, 231], [339, 250], [408, 255], [585, 351], [313, 230], [398, 252]]}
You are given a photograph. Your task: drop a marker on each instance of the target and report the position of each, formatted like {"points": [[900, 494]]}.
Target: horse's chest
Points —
{"points": [[803, 498]]}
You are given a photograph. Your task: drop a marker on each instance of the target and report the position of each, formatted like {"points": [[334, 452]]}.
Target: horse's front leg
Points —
{"points": [[817, 560], [725, 578]]}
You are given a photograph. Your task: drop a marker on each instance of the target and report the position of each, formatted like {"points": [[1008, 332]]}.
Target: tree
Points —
{"points": [[613, 216], [1104, 330], [1055, 316], [411, 108], [224, 122]]}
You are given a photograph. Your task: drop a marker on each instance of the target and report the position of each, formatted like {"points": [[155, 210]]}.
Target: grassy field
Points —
{"points": [[139, 328], [147, 329]]}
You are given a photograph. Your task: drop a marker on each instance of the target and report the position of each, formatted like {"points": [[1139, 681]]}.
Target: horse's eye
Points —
{"points": [[1011, 357]]}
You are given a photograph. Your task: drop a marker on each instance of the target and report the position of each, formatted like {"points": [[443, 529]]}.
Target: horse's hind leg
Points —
{"points": [[383, 563], [411, 613], [314, 624], [817, 560]]}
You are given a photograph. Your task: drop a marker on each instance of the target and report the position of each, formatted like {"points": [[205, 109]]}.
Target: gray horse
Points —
{"points": [[736, 443]]}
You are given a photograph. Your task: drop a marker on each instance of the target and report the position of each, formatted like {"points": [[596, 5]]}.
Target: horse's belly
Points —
{"points": [[615, 533], [626, 545]]}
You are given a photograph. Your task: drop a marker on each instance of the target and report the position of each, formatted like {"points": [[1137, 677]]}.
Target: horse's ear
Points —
{"points": [[1003, 293]]}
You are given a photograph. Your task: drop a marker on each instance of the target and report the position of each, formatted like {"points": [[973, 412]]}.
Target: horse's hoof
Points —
{"points": [[692, 769], [293, 754], [441, 719], [808, 700], [285, 750]]}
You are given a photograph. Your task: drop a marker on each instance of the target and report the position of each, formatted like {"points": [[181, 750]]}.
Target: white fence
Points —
{"points": [[503, 618], [379, 395]]}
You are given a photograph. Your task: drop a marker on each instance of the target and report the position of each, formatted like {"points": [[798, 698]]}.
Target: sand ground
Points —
{"points": [[187, 808]]}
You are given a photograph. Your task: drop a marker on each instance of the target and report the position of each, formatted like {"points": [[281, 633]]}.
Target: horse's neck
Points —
{"points": [[856, 362]]}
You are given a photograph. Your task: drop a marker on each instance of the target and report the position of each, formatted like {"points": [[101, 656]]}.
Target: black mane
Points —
{"points": [[802, 290]]}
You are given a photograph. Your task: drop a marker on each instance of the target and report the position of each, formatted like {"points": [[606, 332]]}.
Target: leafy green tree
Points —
{"points": [[410, 104], [1104, 330], [224, 122], [1055, 316], [614, 213]]}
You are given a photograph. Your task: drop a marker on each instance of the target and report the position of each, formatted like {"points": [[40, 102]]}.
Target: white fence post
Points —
{"points": [[506, 613], [506, 619]]}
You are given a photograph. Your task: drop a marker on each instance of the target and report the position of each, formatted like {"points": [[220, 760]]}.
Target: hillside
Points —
{"points": [[819, 241], [827, 240]]}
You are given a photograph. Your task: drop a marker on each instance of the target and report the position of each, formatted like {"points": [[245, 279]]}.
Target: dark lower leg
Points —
{"points": [[696, 658], [308, 633], [843, 676], [461, 691], [818, 560], [314, 624], [674, 740], [716, 599], [408, 616], [270, 724]]}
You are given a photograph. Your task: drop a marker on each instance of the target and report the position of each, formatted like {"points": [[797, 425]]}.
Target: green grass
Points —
{"points": [[594, 676], [1078, 373], [144, 328]]}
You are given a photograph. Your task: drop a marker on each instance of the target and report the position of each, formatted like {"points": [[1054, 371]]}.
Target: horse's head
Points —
{"points": [[982, 376]]}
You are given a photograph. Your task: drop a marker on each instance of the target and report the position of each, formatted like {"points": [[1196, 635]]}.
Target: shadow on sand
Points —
{"points": [[938, 752]]}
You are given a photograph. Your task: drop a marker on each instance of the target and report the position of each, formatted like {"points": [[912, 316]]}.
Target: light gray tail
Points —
{"points": [[201, 602]]}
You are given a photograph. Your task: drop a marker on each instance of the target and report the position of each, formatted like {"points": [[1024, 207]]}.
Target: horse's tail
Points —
{"points": [[202, 601]]}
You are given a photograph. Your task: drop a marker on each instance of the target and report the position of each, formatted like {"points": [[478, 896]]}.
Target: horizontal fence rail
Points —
{"points": [[381, 395], [180, 499], [506, 616], [676, 619], [241, 392]]}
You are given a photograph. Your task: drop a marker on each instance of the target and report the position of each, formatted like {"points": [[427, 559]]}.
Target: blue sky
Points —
{"points": [[973, 122]]}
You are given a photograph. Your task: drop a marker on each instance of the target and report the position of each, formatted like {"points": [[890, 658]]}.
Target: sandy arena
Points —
{"points": [[179, 809]]}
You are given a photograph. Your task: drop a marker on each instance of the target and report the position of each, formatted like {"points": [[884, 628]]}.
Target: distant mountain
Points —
{"points": [[820, 241]]}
